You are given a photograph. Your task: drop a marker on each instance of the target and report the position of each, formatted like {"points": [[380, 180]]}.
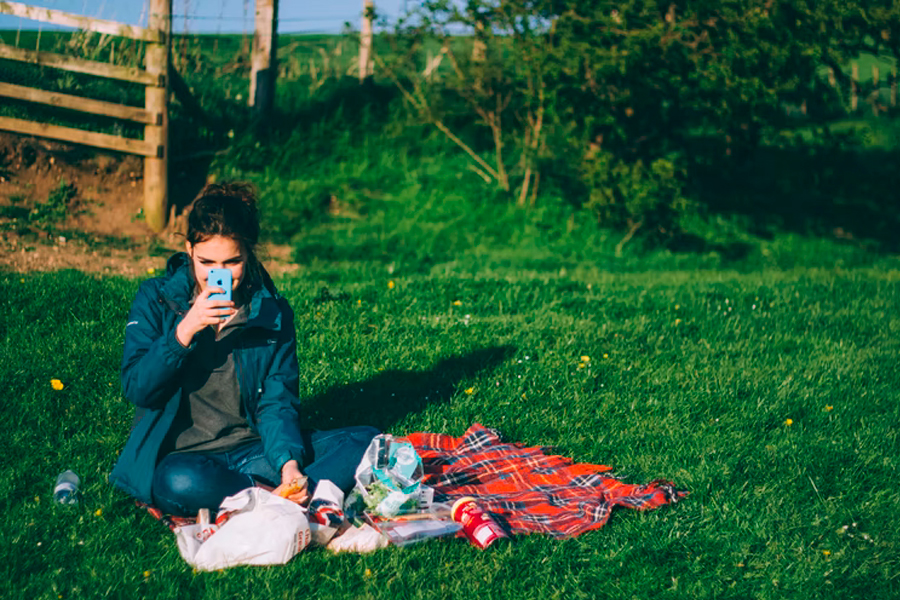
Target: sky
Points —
{"points": [[219, 16]]}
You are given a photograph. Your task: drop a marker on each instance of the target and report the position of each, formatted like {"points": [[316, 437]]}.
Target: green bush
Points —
{"points": [[636, 196]]}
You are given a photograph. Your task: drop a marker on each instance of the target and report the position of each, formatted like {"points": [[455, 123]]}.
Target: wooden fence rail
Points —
{"points": [[58, 17], [154, 115]]}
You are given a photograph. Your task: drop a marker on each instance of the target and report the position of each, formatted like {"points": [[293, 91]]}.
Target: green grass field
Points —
{"points": [[751, 359], [771, 394]]}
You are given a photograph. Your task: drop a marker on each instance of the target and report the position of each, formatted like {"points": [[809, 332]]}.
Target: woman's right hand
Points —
{"points": [[203, 313]]}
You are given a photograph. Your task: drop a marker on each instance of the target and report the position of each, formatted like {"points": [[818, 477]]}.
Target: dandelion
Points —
{"points": [[146, 574], [151, 270], [457, 303], [56, 384], [826, 552], [585, 359], [581, 365], [828, 408], [368, 573], [391, 284], [605, 355], [678, 321], [98, 512], [789, 422], [470, 391]]}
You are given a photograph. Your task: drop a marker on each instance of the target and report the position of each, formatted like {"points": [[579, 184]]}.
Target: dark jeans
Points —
{"points": [[184, 483]]}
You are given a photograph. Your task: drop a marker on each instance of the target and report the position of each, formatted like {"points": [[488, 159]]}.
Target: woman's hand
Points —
{"points": [[203, 313], [293, 483]]}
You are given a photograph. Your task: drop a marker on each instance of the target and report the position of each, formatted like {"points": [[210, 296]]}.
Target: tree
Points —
{"points": [[611, 91]]}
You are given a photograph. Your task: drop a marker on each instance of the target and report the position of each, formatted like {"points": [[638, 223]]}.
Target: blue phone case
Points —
{"points": [[220, 278]]}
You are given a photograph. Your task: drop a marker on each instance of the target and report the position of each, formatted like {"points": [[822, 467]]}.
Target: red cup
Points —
{"points": [[478, 526]]}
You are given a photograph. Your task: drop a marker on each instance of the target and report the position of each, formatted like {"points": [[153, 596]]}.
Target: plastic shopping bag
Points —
{"points": [[262, 529], [389, 478]]}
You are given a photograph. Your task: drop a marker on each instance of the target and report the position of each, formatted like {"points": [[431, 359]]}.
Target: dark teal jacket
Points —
{"points": [[265, 362]]}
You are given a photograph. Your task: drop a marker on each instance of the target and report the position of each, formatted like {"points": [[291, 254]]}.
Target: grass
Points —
{"points": [[757, 369], [693, 376]]}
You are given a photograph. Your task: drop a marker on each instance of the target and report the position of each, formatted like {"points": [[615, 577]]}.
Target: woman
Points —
{"points": [[215, 382]]}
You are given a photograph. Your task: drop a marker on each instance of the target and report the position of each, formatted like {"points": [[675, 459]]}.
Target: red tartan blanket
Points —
{"points": [[527, 490], [524, 488]]}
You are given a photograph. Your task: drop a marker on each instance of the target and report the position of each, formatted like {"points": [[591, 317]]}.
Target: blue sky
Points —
{"points": [[212, 16]]}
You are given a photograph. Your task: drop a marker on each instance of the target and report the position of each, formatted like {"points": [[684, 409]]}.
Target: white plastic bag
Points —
{"points": [[264, 529]]}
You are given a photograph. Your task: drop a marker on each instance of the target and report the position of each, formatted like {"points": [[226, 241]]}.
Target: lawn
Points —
{"points": [[770, 393]]}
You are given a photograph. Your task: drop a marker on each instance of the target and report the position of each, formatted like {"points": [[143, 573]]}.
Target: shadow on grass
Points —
{"points": [[828, 189], [385, 398]]}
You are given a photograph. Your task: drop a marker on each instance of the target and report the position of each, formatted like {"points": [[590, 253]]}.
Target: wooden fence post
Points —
{"points": [[263, 68], [156, 169], [894, 87], [365, 41], [876, 96]]}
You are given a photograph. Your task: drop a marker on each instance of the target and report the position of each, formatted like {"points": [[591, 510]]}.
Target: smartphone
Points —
{"points": [[220, 278]]}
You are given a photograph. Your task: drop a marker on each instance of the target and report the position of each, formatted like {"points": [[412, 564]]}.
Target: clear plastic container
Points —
{"points": [[66, 489]]}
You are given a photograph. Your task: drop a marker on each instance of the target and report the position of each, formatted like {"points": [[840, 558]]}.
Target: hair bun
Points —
{"points": [[228, 209]]}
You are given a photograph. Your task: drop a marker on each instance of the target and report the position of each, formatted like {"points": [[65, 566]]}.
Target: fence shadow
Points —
{"points": [[385, 398]]}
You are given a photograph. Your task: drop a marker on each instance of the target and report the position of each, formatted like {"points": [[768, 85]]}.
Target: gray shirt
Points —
{"points": [[211, 416]]}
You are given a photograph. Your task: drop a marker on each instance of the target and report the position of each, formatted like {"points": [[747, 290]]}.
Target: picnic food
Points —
{"points": [[295, 486]]}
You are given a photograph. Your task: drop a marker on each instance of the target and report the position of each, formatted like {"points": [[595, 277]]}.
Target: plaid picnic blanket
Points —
{"points": [[526, 489]]}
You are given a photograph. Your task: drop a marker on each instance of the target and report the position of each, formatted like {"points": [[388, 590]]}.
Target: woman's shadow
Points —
{"points": [[385, 398]]}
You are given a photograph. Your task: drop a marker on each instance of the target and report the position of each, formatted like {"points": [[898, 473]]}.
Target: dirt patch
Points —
{"points": [[70, 207]]}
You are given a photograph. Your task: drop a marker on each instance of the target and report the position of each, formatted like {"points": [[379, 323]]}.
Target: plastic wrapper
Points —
{"points": [[324, 512], [389, 479]]}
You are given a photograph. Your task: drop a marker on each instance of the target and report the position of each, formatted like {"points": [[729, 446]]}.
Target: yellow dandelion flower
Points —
{"points": [[677, 321], [359, 302], [146, 573], [789, 422], [98, 512], [22, 280], [151, 270], [391, 284], [470, 391], [581, 365], [457, 303], [826, 552], [56, 384], [585, 359], [829, 407], [368, 573], [605, 355]]}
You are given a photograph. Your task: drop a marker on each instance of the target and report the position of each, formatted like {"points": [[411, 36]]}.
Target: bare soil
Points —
{"points": [[103, 230]]}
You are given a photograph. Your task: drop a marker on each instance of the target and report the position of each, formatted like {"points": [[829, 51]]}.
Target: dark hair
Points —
{"points": [[228, 209]]}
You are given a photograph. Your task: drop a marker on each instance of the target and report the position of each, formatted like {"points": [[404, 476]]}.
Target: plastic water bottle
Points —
{"points": [[66, 490]]}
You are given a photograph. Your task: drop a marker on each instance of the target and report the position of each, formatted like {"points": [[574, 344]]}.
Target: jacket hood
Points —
{"points": [[178, 289]]}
